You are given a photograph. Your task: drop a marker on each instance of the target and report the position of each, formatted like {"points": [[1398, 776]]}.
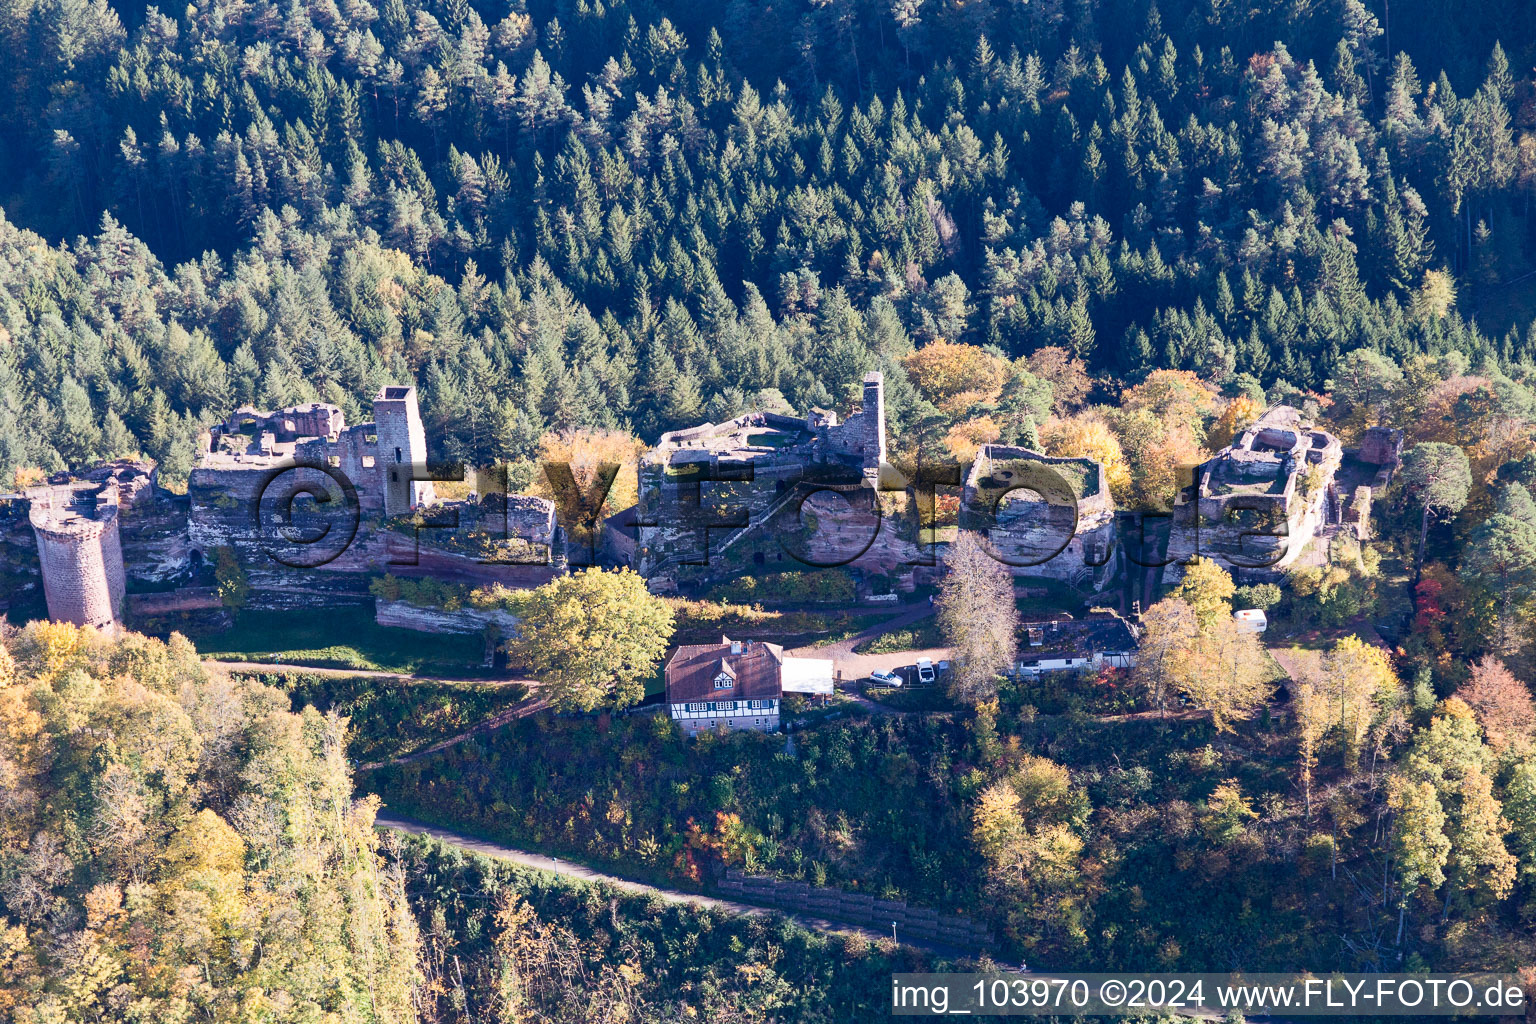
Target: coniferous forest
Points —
{"points": [[639, 215], [1112, 229]]}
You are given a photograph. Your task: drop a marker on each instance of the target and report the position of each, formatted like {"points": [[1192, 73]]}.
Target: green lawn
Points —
{"points": [[309, 637], [918, 637]]}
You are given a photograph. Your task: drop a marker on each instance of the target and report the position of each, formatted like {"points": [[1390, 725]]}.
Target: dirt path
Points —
{"points": [[854, 666], [567, 869], [522, 709]]}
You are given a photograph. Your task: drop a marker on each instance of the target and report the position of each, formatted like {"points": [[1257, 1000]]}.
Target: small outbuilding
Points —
{"points": [[1251, 620], [808, 675]]}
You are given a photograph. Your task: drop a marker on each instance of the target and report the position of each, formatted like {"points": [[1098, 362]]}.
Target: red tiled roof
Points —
{"points": [[758, 670]]}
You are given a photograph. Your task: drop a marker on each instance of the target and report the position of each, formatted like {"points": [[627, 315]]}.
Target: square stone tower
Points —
{"points": [[402, 448], [874, 420]]}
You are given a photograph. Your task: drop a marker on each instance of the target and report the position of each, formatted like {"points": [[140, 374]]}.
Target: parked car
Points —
{"points": [[925, 672], [943, 666], [884, 677]]}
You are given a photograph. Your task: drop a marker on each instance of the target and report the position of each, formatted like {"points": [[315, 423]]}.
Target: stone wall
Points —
{"points": [[1044, 517], [317, 419], [861, 438], [170, 602], [151, 529], [1382, 446], [1261, 500]]}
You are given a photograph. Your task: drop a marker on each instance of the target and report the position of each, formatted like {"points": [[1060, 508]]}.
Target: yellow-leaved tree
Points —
{"points": [[965, 439], [190, 840], [1355, 691], [1218, 666], [595, 459], [1027, 826], [1087, 436], [1207, 588], [955, 377], [1234, 419], [593, 638]]}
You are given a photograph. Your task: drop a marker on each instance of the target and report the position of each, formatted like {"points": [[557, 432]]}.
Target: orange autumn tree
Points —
{"points": [[1087, 436], [1502, 703], [1161, 425], [955, 376], [586, 452], [964, 440]]}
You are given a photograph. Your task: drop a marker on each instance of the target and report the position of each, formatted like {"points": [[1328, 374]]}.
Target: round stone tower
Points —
{"points": [[81, 554]]}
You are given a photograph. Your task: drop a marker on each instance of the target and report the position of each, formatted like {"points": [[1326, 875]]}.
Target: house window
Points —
{"points": [[724, 682], [698, 707], [725, 705]]}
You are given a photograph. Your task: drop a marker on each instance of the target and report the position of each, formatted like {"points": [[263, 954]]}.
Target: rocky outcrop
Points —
{"points": [[1043, 517], [404, 615]]}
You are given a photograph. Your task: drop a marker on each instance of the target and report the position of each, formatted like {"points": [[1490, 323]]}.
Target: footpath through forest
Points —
{"points": [[568, 869]]}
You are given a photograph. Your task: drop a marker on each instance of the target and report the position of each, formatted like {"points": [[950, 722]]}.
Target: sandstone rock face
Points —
{"points": [[1043, 517], [403, 615]]}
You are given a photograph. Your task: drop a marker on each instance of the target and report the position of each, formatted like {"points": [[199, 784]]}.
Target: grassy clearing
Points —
{"points": [[308, 638], [914, 638], [704, 621]]}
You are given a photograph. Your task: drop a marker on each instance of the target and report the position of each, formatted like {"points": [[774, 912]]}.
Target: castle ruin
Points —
{"points": [[1257, 505], [767, 489], [1043, 517], [385, 460], [309, 509], [79, 546], [788, 492]]}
